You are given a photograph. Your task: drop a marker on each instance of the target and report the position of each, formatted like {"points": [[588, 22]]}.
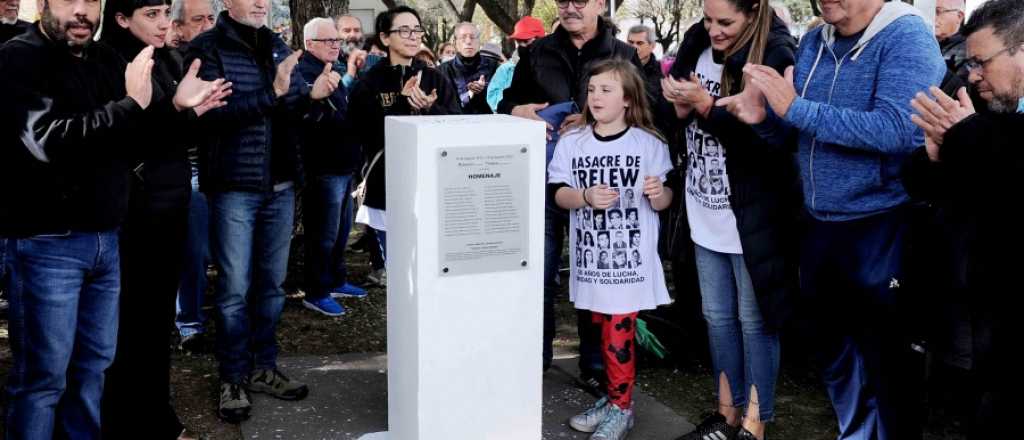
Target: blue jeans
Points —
{"points": [[327, 215], [556, 222], [63, 322], [850, 272], [741, 346], [250, 235], [197, 255]]}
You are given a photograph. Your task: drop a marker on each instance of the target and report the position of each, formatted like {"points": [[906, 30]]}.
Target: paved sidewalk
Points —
{"points": [[348, 398]]}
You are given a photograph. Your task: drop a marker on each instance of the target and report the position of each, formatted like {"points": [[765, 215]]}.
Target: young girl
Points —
{"points": [[738, 209], [613, 148]]}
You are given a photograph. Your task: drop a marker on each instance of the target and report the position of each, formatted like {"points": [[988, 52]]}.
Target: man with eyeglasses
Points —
{"points": [[966, 151], [327, 213], [469, 71], [249, 168], [189, 18], [949, 16], [552, 72]]}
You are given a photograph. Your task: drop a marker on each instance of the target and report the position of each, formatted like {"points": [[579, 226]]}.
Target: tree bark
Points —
{"points": [[305, 10], [501, 14]]}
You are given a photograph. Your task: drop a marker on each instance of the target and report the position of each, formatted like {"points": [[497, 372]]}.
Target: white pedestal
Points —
{"points": [[464, 328]]}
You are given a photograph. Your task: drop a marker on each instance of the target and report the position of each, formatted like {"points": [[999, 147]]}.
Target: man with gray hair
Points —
{"points": [[469, 71], [642, 38], [330, 167], [189, 18], [352, 55], [10, 25], [949, 17]]}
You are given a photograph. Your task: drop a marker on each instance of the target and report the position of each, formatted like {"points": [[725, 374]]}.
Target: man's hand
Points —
{"points": [[478, 86], [600, 196], [325, 84], [778, 89], [748, 106], [529, 111], [356, 60], [138, 82], [283, 79], [936, 116]]}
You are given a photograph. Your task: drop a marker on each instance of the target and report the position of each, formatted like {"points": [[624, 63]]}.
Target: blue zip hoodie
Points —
{"points": [[853, 112]]}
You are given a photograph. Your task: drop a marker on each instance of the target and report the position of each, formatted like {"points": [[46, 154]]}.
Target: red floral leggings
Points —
{"points": [[619, 347]]}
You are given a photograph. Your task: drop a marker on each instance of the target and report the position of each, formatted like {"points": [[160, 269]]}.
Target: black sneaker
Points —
{"points": [[712, 428], [235, 403], [276, 384], [747, 435]]}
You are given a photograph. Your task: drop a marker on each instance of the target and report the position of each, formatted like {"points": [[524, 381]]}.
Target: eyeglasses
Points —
{"points": [[940, 11], [976, 64], [406, 32], [333, 42], [579, 4]]}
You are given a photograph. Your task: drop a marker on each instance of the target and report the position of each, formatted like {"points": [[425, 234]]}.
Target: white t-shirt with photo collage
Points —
{"points": [[712, 222], [614, 252]]}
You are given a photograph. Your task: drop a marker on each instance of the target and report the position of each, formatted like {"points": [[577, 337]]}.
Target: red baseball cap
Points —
{"points": [[527, 28]]}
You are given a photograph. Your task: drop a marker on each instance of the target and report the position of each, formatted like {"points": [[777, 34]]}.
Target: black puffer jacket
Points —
{"points": [[160, 180], [469, 70], [765, 195], [553, 70], [378, 95], [252, 142], [326, 129]]}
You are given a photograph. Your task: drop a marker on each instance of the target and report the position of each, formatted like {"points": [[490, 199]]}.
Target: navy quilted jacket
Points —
{"points": [[241, 136]]}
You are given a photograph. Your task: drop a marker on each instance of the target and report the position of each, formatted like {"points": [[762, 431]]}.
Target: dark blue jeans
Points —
{"points": [[556, 223], [63, 324], [327, 217], [250, 235], [851, 273], [193, 277]]}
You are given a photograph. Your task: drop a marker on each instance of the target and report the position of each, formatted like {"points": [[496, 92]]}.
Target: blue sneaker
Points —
{"points": [[327, 306], [348, 290]]}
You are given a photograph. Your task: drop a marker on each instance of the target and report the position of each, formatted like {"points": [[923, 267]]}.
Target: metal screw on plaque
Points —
{"points": [[445, 270], [522, 263], [444, 154], [523, 150]]}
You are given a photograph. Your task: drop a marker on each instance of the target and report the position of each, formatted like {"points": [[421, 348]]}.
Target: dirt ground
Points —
{"points": [[803, 409]]}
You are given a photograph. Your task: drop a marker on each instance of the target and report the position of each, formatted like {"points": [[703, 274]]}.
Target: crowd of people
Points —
{"points": [[822, 180]]}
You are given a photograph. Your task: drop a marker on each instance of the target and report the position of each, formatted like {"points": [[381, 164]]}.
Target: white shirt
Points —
{"points": [[616, 267], [712, 222]]}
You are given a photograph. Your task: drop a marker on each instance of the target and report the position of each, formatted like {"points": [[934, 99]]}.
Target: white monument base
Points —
{"points": [[465, 256]]}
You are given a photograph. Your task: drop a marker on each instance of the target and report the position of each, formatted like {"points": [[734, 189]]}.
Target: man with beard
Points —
{"points": [[67, 140], [249, 170], [10, 25], [352, 55], [469, 71], [964, 146], [189, 18]]}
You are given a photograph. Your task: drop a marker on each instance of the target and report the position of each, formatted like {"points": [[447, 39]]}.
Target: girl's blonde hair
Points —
{"points": [[634, 92]]}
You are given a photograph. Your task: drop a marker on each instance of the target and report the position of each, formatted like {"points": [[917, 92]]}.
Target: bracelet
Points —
{"points": [[587, 202]]}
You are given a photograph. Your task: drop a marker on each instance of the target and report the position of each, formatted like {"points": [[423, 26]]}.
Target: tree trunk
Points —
{"points": [[500, 12], [305, 10]]}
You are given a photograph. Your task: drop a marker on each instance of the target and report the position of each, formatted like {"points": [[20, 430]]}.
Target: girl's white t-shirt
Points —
{"points": [[712, 222], [615, 268]]}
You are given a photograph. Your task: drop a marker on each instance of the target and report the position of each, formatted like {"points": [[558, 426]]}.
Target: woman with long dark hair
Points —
{"points": [[740, 228], [137, 391]]}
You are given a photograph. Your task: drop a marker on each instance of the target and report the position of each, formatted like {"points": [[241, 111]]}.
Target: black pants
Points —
{"points": [[137, 392]]}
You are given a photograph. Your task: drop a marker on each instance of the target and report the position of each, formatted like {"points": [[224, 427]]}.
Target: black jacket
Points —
{"points": [[977, 177], [378, 95], [553, 70], [765, 196], [161, 172], [469, 70], [252, 142], [954, 51], [653, 76], [65, 129], [326, 125], [9, 31]]}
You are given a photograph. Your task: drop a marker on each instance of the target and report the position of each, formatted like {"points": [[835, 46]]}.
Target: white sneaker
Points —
{"points": [[616, 424], [591, 418]]}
